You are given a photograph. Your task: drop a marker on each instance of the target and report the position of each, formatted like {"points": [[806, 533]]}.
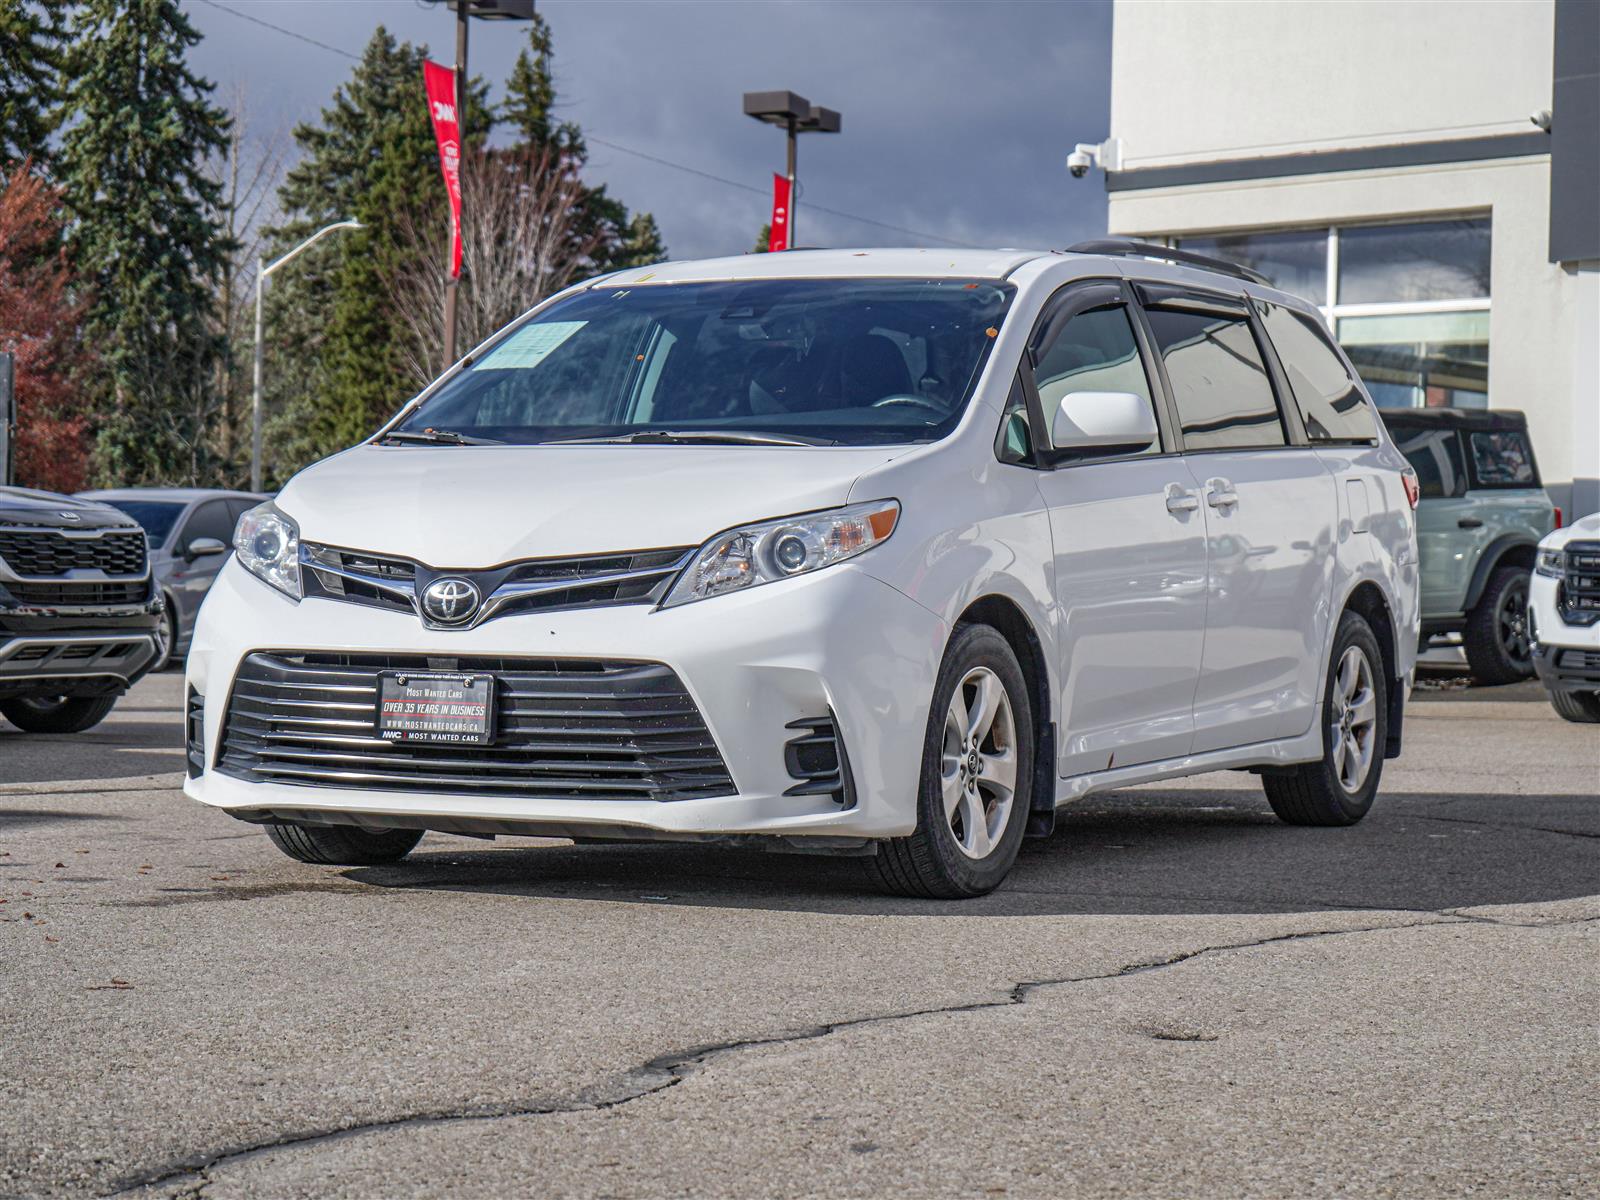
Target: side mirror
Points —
{"points": [[1104, 422], [203, 546]]}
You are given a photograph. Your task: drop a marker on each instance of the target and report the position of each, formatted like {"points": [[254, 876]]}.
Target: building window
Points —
{"points": [[1408, 302]]}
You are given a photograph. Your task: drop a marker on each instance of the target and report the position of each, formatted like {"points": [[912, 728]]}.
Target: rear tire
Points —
{"points": [[1496, 637], [976, 783], [342, 845], [1338, 789], [58, 714], [1580, 707]]}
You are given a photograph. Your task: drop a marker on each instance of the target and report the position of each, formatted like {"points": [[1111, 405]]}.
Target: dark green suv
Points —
{"points": [[1482, 512]]}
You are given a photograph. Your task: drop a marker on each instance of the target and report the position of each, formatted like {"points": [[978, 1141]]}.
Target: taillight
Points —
{"points": [[1413, 491], [1557, 525]]}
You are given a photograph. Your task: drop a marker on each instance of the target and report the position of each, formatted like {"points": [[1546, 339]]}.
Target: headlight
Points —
{"points": [[268, 545], [773, 550], [1552, 563]]}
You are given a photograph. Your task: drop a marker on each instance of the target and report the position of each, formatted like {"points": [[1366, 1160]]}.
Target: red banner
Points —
{"points": [[778, 238], [440, 83]]}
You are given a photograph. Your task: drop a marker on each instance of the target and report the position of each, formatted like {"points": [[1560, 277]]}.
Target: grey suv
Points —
{"points": [[1482, 513]]}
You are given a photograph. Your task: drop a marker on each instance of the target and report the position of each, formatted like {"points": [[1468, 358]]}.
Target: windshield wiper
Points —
{"points": [[664, 437], [437, 437]]}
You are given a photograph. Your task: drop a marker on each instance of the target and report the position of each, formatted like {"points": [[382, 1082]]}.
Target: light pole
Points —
{"points": [[796, 115], [484, 10], [263, 269]]}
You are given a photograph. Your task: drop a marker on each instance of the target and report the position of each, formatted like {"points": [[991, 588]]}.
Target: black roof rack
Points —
{"points": [[1123, 248]]}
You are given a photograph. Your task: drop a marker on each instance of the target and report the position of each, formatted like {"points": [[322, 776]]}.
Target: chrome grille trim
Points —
{"points": [[564, 729], [396, 583]]}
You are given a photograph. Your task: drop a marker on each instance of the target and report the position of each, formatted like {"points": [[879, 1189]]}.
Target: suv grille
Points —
{"points": [[1579, 596], [630, 577], [69, 594], [571, 730], [39, 554]]}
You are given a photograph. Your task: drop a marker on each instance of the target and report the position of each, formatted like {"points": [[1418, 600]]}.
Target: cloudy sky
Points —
{"points": [[958, 116]]}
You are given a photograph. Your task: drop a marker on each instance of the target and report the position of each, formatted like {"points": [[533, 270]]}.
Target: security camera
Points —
{"points": [[1079, 162]]}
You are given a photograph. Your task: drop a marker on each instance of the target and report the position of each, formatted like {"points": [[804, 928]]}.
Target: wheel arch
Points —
{"points": [[1368, 601], [1510, 549], [1006, 617]]}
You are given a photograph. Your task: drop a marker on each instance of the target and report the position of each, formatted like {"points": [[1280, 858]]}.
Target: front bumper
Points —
{"points": [[754, 663], [1565, 656], [76, 651]]}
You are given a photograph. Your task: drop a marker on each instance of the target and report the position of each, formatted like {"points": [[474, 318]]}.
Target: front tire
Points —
{"points": [[1338, 789], [342, 845], [57, 714], [1496, 638], [1582, 708], [976, 783], [166, 638]]}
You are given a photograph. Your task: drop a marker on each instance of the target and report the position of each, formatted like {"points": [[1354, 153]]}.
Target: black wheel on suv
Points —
{"points": [[977, 777], [1496, 638], [342, 845], [1581, 707], [1339, 788], [57, 714]]}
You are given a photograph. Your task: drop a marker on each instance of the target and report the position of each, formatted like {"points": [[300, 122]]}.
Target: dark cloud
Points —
{"points": [[957, 116]]}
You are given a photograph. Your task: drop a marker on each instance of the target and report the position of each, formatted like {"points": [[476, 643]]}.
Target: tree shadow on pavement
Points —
{"points": [[117, 750], [1130, 852]]}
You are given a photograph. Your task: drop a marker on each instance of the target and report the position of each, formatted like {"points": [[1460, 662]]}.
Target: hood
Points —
{"points": [[479, 506], [1579, 530], [24, 506]]}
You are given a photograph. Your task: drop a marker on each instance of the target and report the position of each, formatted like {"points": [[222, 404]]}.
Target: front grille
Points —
{"points": [[72, 594], [1578, 597], [564, 729], [41, 554], [533, 585]]}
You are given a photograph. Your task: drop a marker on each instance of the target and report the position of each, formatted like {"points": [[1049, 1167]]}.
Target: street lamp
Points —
{"points": [[262, 271], [796, 115], [484, 10]]}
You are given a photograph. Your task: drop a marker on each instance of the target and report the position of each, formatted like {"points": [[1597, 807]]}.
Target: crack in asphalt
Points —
{"points": [[668, 1070], [1577, 833]]}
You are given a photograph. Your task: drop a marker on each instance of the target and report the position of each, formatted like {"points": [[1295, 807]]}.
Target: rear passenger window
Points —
{"points": [[1330, 402], [1435, 455], [1502, 458], [1219, 382]]}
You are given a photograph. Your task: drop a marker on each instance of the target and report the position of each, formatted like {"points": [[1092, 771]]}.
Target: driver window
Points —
{"points": [[1096, 351]]}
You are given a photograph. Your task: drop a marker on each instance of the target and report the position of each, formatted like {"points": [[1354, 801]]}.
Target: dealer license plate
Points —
{"points": [[432, 706]]}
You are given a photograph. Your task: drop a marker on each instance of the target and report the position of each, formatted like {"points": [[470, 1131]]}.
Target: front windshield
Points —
{"points": [[156, 516], [832, 361]]}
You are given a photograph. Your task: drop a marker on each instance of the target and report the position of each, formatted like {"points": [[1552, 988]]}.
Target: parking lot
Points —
{"points": [[1174, 995]]}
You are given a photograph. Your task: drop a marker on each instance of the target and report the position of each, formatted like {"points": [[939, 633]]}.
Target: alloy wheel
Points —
{"points": [[978, 767], [1511, 622], [1353, 730]]}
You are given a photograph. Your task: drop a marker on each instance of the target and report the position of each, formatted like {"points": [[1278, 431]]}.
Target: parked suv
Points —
{"points": [[884, 552], [190, 531], [1564, 616], [1483, 510], [78, 612]]}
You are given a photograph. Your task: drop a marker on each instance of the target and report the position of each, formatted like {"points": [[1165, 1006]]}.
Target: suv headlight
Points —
{"points": [[1552, 563], [268, 546], [773, 550]]}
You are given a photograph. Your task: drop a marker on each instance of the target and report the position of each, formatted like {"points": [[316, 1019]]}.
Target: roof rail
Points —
{"points": [[1123, 248]]}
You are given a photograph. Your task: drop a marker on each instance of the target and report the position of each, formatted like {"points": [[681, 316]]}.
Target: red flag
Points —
{"points": [[440, 83], [778, 238]]}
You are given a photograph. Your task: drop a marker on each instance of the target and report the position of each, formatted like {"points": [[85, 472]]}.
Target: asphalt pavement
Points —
{"points": [[1173, 996]]}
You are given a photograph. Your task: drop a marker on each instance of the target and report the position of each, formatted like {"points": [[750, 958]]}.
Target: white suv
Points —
{"points": [[879, 552], [1564, 618]]}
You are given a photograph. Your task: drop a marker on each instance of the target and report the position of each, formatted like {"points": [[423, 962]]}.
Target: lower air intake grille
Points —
{"points": [[66, 595], [564, 729], [817, 759]]}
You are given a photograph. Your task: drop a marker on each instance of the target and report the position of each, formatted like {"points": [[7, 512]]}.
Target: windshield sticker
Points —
{"points": [[530, 345]]}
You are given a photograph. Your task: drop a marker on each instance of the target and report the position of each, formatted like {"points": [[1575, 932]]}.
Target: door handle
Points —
{"points": [[1180, 501], [1220, 493], [1469, 523]]}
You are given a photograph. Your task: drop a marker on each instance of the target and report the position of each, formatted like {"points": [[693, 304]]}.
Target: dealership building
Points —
{"points": [[1428, 174]]}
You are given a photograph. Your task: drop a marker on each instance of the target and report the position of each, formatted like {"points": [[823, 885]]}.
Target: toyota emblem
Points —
{"points": [[450, 601]]}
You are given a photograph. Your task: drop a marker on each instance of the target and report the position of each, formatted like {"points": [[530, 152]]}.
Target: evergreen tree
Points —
{"points": [[31, 36], [145, 232], [334, 350], [619, 239]]}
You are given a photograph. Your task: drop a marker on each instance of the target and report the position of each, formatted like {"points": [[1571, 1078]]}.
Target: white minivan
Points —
{"points": [[877, 552]]}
